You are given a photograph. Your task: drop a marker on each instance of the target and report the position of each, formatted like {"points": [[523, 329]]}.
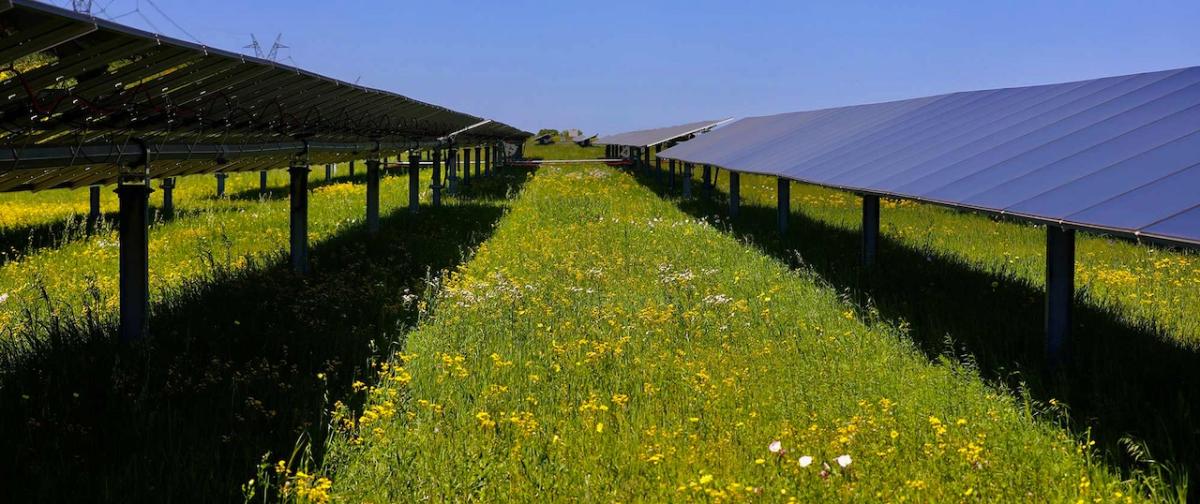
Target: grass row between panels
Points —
{"points": [[605, 346]]}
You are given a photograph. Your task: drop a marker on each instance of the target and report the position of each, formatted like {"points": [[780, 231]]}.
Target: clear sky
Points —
{"points": [[611, 66]]}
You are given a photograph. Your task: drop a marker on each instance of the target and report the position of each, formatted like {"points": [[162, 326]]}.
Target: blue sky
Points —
{"points": [[618, 65]]}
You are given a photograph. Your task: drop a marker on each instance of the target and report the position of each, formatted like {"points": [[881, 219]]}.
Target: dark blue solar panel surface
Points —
{"points": [[646, 138], [1119, 154]]}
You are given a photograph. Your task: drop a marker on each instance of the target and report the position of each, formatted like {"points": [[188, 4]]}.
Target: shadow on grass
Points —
{"points": [[278, 192], [230, 372], [21, 241], [1122, 380]]}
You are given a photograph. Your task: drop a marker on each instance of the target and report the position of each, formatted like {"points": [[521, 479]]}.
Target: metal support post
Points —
{"points": [[870, 228], [168, 204], [262, 182], [783, 202], [351, 168], [414, 181], [1060, 293], [466, 166], [328, 172], [133, 192], [487, 167], [298, 230], [671, 176], [687, 180], [94, 215], [478, 161], [452, 169], [658, 164], [373, 196], [708, 182], [735, 193], [437, 178], [221, 184]]}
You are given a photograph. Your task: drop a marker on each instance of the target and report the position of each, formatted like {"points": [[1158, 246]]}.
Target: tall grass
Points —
{"points": [[228, 231], [245, 358], [604, 345]]}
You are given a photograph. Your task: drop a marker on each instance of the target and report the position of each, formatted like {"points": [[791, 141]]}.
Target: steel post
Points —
{"points": [[1060, 293], [452, 169], [437, 178], [783, 202], [351, 168], [328, 172], [487, 167], [414, 181], [708, 181], [298, 230], [221, 184], [735, 193], [94, 215], [373, 196], [466, 166], [671, 175], [658, 169], [134, 259], [687, 180], [262, 182], [168, 201], [870, 228], [478, 161]]}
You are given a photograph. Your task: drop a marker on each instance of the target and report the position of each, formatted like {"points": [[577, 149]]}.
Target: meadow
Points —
{"points": [[49, 257], [605, 345], [583, 332], [238, 341]]}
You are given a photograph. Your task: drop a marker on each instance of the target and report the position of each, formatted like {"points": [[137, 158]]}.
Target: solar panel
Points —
{"points": [[1118, 154], [76, 91], [646, 138]]}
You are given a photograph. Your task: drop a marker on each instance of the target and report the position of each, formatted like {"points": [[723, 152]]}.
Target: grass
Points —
{"points": [[1146, 286], [246, 357], [228, 231], [610, 341], [605, 345], [970, 285]]}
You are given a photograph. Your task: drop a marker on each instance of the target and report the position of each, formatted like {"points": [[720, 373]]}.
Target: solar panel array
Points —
{"points": [[79, 95], [646, 138], [1119, 154]]}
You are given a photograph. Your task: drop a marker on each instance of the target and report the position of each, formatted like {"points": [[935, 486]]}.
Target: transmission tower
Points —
{"points": [[270, 54], [82, 6], [254, 45]]}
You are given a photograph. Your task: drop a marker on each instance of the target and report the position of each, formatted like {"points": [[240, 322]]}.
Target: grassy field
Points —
{"points": [[231, 373], [611, 341], [605, 345], [1146, 286], [970, 285], [50, 255]]}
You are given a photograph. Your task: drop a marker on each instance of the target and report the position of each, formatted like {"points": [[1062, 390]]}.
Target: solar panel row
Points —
{"points": [[647, 138], [1118, 154], [75, 87]]}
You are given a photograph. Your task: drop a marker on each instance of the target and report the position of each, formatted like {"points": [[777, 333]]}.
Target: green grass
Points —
{"points": [[228, 231], [1147, 286], [605, 345], [238, 341], [616, 287]]}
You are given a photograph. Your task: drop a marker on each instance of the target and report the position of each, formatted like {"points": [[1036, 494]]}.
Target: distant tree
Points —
{"points": [[547, 131]]}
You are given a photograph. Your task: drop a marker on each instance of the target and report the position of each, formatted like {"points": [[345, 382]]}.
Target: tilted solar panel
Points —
{"points": [[73, 86], [1117, 154], [646, 138]]}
